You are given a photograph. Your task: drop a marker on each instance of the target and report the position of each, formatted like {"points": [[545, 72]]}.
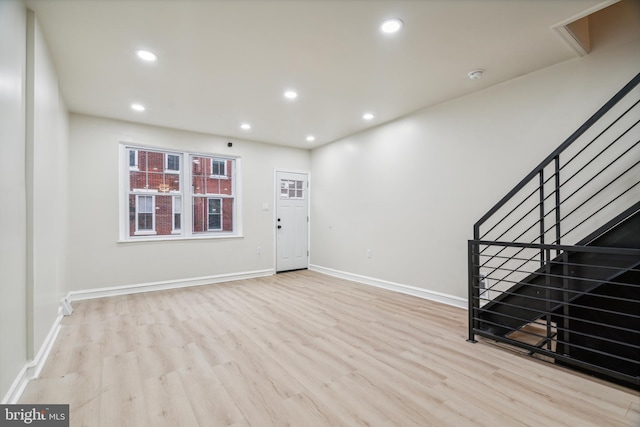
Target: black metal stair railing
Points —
{"points": [[554, 267]]}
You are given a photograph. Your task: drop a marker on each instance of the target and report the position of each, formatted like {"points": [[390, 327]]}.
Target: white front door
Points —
{"points": [[292, 221]]}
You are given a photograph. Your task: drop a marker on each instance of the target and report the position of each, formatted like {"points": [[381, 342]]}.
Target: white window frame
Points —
{"points": [[145, 231], [223, 161], [176, 203], [133, 166], [185, 195], [220, 214], [166, 163]]}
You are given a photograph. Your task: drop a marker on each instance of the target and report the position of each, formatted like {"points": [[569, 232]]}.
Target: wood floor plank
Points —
{"points": [[305, 349], [166, 403]]}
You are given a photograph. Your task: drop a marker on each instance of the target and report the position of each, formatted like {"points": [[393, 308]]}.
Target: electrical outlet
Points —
{"points": [[258, 250], [369, 253]]}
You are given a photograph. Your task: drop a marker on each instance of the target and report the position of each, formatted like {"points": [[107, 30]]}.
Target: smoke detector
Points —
{"points": [[475, 74]]}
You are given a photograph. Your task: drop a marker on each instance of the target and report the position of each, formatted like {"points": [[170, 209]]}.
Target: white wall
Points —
{"points": [[33, 216], [411, 190], [47, 144], [13, 347], [97, 260]]}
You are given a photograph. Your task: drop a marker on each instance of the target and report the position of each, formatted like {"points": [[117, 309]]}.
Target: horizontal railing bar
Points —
{"points": [[555, 338], [560, 342], [601, 208], [593, 350], [575, 156], [530, 211], [601, 170], [565, 199], [566, 248], [567, 180], [559, 304], [531, 259], [576, 292], [574, 332], [559, 276], [542, 314], [563, 358], [550, 158], [619, 219], [526, 261], [587, 182], [558, 315], [535, 190], [600, 134], [552, 261], [559, 289], [598, 337], [564, 343]]}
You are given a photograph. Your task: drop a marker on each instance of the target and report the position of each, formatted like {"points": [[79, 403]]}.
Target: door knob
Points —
{"points": [[279, 226]]}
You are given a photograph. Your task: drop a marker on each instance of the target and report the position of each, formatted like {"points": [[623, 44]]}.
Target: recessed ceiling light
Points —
{"points": [[137, 107], [245, 126], [475, 74], [147, 55], [368, 116], [290, 94], [391, 26], [311, 138]]}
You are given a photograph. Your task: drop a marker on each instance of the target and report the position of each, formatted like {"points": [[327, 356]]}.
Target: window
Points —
{"points": [[144, 214], [172, 164], [290, 189], [213, 213], [133, 159], [177, 214], [218, 167], [161, 206]]}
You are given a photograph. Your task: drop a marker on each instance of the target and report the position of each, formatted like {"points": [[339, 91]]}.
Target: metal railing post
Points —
{"points": [[565, 304], [542, 231], [558, 202], [473, 292]]}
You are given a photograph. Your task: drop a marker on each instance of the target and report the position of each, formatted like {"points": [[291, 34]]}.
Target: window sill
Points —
{"points": [[145, 233], [177, 238]]}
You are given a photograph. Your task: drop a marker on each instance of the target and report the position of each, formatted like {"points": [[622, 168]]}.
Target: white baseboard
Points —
{"points": [[397, 287], [31, 370], [165, 285]]}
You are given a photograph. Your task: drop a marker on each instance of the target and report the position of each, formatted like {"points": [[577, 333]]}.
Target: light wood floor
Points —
{"points": [[304, 349]]}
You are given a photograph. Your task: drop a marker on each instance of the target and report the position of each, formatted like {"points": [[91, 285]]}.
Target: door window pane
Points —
{"points": [[291, 189]]}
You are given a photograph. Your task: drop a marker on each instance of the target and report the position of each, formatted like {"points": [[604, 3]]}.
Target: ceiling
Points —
{"points": [[227, 62]]}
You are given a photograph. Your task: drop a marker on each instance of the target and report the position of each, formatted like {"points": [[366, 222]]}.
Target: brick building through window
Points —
{"points": [[156, 193]]}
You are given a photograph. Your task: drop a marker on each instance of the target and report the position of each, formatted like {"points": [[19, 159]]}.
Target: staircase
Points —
{"points": [[554, 267]]}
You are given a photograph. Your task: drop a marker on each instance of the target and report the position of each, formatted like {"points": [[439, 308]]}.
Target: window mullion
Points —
{"points": [[187, 196]]}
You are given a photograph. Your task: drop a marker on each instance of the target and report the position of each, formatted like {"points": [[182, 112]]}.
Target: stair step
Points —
{"points": [[534, 333]]}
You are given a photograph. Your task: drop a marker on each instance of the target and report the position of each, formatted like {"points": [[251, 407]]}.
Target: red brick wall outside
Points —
{"points": [[151, 174], [204, 182]]}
